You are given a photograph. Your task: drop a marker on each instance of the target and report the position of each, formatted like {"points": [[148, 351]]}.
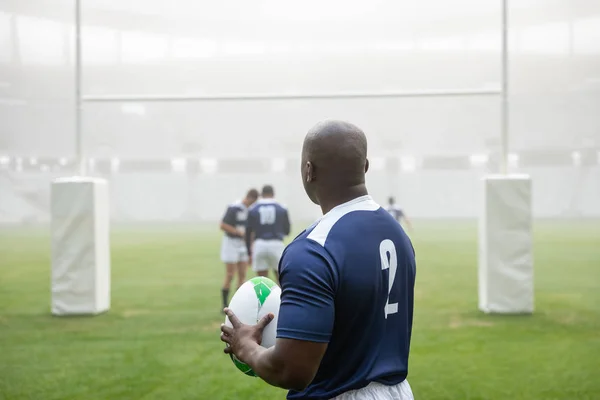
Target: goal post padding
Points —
{"points": [[80, 226], [505, 245]]}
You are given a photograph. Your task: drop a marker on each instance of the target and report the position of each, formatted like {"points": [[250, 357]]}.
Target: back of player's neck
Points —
{"points": [[342, 196]]}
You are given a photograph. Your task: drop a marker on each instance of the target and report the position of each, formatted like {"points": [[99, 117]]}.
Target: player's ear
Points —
{"points": [[366, 165], [310, 172]]}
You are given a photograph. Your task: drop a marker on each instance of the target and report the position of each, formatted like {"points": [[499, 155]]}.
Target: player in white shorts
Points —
{"points": [[268, 224], [233, 248]]}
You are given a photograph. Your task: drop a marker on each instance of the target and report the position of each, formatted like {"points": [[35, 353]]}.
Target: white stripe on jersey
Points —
{"points": [[321, 231]]}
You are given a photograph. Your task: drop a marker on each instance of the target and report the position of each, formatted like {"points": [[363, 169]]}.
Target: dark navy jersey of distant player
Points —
{"points": [[348, 281], [268, 220], [396, 212], [236, 216]]}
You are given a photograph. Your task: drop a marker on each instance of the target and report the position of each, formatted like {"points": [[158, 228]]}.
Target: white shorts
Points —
{"points": [[378, 391], [233, 250], [266, 254]]}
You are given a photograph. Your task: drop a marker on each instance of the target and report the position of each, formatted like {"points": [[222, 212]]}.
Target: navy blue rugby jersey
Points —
{"points": [[348, 281], [268, 220], [236, 216]]}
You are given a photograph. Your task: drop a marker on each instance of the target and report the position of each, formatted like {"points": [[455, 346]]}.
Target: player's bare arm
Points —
{"points": [[230, 229], [290, 364]]}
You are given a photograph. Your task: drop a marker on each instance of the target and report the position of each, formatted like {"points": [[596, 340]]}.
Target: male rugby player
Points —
{"points": [[345, 320], [268, 224], [233, 248]]}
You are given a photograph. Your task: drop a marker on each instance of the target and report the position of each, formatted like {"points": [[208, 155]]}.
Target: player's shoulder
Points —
{"points": [[265, 202], [301, 242], [349, 213], [277, 203], [236, 205], [303, 252]]}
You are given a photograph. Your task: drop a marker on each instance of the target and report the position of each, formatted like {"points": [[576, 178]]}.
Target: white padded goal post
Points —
{"points": [[505, 245], [80, 227]]}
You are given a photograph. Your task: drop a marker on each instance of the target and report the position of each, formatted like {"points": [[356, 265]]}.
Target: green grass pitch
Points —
{"points": [[160, 339]]}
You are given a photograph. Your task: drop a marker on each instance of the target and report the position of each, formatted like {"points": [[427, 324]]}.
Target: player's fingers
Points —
{"points": [[225, 338], [264, 321], [232, 318], [226, 329]]}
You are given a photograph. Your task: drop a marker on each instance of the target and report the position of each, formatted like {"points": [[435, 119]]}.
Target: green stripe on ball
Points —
{"points": [[262, 287], [242, 367]]}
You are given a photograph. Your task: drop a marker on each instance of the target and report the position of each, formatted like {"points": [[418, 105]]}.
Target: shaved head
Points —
{"points": [[334, 161]]}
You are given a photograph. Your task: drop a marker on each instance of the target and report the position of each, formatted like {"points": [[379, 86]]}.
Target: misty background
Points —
{"points": [[222, 94]]}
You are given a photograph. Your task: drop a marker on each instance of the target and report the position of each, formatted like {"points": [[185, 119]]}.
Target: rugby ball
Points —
{"points": [[252, 301]]}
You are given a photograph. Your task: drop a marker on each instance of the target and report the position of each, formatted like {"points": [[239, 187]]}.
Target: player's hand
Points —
{"points": [[242, 338]]}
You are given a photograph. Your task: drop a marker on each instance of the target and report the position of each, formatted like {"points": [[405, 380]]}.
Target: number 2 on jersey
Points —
{"points": [[387, 248], [267, 215]]}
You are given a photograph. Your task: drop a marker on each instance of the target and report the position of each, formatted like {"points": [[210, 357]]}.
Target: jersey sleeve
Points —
{"points": [[229, 218], [307, 280]]}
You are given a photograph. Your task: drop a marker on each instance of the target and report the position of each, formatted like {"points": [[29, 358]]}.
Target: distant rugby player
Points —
{"points": [[268, 224], [345, 319], [233, 248], [397, 212]]}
